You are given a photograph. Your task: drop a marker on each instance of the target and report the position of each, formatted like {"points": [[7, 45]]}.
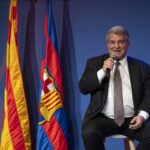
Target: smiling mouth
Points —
{"points": [[115, 52]]}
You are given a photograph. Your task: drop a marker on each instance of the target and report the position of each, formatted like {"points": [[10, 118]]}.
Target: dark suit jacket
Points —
{"points": [[140, 83]]}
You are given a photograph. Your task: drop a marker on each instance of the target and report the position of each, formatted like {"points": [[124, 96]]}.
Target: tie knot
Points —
{"points": [[117, 63]]}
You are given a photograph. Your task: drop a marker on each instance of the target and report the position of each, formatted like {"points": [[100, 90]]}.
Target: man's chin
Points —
{"points": [[115, 55]]}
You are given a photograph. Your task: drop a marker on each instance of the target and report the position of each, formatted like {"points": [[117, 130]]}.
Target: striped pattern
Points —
{"points": [[16, 131], [52, 129], [50, 98]]}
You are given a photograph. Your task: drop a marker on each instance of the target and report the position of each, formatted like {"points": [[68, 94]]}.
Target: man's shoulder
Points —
{"points": [[138, 62], [98, 58]]}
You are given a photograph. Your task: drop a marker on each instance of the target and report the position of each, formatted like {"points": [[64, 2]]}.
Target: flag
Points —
{"points": [[16, 130], [52, 127]]}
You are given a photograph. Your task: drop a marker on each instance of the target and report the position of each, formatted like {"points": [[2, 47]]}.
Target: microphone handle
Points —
{"points": [[107, 72]]}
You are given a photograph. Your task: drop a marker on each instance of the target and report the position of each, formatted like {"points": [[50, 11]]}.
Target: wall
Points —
{"points": [[81, 27]]}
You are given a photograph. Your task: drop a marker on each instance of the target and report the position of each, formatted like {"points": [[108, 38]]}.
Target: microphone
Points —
{"points": [[108, 70]]}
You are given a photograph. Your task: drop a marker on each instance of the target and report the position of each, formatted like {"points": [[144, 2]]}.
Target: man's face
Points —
{"points": [[117, 45]]}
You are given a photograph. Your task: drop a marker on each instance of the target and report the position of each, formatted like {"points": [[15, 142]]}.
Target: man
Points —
{"points": [[100, 80]]}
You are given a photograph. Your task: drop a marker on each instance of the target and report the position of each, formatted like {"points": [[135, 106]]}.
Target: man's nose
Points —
{"points": [[116, 44]]}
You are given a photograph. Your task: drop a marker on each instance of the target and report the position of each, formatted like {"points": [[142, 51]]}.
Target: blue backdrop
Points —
{"points": [[81, 26]]}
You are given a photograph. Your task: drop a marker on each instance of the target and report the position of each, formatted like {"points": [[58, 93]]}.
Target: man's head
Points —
{"points": [[117, 39]]}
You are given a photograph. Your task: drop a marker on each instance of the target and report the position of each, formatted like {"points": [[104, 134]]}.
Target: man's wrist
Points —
{"points": [[100, 74], [144, 114]]}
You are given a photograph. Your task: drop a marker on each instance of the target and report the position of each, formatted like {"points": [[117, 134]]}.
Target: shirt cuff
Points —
{"points": [[100, 75], [144, 114]]}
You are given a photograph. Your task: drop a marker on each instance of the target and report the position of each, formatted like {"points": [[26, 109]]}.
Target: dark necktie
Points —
{"points": [[118, 99]]}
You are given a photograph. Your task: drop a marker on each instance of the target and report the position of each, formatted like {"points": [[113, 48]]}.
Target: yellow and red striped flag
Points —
{"points": [[16, 129]]}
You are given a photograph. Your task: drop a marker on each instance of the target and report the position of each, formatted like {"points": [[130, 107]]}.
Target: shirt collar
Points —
{"points": [[123, 61]]}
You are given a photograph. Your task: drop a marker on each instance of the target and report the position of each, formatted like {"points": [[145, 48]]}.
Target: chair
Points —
{"points": [[128, 143]]}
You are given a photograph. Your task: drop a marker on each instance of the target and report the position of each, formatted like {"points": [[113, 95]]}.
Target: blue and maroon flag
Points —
{"points": [[52, 127]]}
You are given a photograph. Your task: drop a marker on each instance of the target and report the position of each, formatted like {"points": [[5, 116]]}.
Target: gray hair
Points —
{"points": [[118, 30]]}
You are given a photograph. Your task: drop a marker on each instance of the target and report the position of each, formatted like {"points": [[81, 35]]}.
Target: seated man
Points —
{"points": [[119, 87]]}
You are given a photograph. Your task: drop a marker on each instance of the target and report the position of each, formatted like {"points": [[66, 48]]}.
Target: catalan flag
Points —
{"points": [[52, 127], [16, 130]]}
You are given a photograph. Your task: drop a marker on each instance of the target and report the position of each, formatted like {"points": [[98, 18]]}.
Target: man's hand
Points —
{"points": [[136, 122], [108, 63]]}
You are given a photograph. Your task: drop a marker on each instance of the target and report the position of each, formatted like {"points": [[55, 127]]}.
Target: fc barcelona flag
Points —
{"points": [[52, 128], [16, 131]]}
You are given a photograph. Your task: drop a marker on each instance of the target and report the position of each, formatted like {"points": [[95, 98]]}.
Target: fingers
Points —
{"points": [[108, 63], [133, 123], [133, 120], [135, 126], [136, 122]]}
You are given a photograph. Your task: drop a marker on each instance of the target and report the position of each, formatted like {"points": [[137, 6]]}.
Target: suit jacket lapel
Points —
{"points": [[105, 82], [135, 80]]}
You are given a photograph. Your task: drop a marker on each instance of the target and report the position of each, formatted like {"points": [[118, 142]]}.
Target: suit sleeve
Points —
{"points": [[89, 81], [145, 105]]}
